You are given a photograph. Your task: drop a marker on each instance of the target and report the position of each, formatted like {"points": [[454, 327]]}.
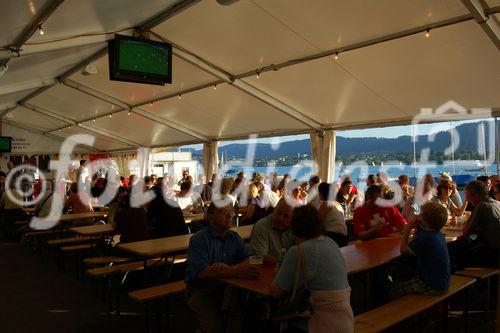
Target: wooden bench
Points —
{"points": [[76, 248], [116, 274], [157, 292], [122, 268], [392, 313], [78, 251], [481, 274], [69, 240], [100, 261], [32, 237], [478, 273]]}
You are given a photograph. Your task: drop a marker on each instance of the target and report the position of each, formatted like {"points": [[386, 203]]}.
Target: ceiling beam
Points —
{"points": [[31, 28], [48, 113], [134, 108], [447, 117], [111, 135], [71, 122], [23, 86], [32, 49], [488, 23], [9, 107], [51, 136]]}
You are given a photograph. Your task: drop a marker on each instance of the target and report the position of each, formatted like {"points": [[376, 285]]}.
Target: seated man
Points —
{"points": [[372, 220], [481, 240], [215, 252], [268, 198], [273, 233], [188, 201], [429, 247]]}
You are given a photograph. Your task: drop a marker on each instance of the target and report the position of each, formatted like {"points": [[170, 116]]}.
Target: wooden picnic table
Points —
{"points": [[189, 218], [93, 230], [359, 256], [167, 245], [76, 216], [261, 285]]}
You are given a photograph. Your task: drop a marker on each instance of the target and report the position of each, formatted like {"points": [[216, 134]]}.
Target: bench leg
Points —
{"points": [[63, 268], [497, 326], [146, 316], [466, 310]]}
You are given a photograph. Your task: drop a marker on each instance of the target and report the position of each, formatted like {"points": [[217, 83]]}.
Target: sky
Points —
{"points": [[383, 132]]}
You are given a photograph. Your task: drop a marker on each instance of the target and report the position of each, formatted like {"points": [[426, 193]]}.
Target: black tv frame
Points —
{"points": [[130, 76], [9, 138]]}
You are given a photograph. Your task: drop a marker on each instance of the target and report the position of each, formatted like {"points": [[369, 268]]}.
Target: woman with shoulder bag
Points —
{"points": [[323, 268]]}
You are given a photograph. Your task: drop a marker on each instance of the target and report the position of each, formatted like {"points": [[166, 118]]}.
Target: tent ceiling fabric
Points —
{"points": [[44, 66], [9, 100], [325, 24], [458, 63], [253, 34], [140, 130], [71, 103], [33, 119], [224, 112], [377, 84], [15, 15], [94, 16], [101, 142], [493, 3]]}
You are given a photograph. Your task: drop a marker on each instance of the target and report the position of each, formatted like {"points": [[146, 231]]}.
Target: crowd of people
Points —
{"points": [[312, 218], [292, 219]]}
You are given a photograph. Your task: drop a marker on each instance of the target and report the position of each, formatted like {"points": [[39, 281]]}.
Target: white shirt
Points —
{"points": [[269, 198], [334, 220], [191, 200]]}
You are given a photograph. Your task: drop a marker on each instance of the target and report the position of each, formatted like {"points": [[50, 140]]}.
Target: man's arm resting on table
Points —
{"points": [[370, 233], [220, 270]]}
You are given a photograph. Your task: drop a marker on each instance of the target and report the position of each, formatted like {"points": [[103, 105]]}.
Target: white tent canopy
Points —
{"points": [[272, 63]]}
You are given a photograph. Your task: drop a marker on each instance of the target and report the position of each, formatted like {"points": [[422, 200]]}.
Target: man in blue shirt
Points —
{"points": [[215, 252]]}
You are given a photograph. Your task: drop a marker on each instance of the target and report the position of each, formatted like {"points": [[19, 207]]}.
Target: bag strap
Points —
{"points": [[300, 267], [43, 204]]}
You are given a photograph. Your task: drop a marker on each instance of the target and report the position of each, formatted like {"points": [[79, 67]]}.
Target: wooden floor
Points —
{"points": [[37, 298]]}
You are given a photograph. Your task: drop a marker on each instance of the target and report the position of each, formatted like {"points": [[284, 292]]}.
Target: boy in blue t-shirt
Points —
{"points": [[429, 246]]}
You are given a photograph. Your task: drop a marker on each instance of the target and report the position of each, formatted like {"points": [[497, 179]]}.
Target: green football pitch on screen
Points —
{"points": [[4, 144], [143, 58]]}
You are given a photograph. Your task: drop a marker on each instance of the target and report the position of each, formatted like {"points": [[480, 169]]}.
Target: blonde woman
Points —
{"points": [[253, 204], [445, 190]]}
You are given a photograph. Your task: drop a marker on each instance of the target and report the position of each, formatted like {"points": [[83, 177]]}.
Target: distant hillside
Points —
{"points": [[468, 134]]}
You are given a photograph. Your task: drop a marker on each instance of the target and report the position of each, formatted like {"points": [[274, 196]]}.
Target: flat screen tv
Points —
{"points": [[5, 144], [140, 60]]}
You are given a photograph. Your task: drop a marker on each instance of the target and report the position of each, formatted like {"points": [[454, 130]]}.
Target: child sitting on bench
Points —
{"points": [[429, 246]]}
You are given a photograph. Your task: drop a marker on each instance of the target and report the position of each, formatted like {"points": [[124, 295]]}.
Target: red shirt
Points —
{"points": [[365, 217]]}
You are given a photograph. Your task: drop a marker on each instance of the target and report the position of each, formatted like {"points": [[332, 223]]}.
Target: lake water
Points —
{"points": [[360, 172]]}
